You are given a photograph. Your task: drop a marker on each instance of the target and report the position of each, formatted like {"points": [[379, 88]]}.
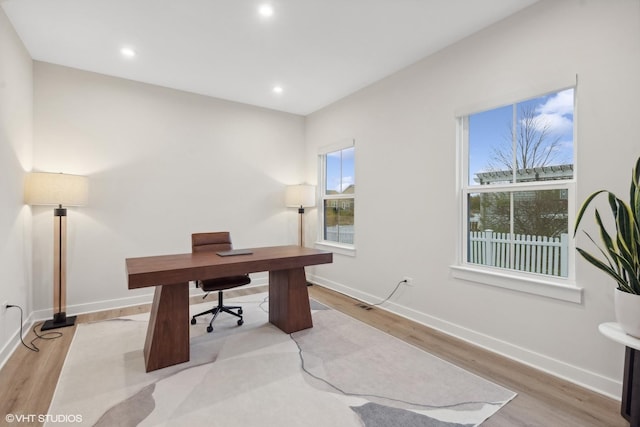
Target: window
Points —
{"points": [[338, 194], [518, 187]]}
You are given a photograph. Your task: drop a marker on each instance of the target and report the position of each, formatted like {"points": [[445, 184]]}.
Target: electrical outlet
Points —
{"points": [[408, 281]]}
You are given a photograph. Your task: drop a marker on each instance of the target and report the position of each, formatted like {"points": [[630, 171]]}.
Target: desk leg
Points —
{"points": [[289, 307], [630, 408], [167, 340]]}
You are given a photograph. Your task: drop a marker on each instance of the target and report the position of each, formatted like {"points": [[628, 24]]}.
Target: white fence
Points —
{"points": [[339, 233], [535, 254]]}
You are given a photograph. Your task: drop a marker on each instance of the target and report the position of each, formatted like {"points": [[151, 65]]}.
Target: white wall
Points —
{"points": [[406, 207], [16, 110], [161, 164]]}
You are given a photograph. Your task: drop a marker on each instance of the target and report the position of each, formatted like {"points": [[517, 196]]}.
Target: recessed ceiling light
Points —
{"points": [[266, 10], [277, 89], [128, 52]]}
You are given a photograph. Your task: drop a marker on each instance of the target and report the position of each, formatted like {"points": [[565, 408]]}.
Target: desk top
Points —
{"points": [[170, 269], [613, 330]]}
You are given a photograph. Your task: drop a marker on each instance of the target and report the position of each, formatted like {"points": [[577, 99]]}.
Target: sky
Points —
{"points": [[491, 129], [340, 169]]}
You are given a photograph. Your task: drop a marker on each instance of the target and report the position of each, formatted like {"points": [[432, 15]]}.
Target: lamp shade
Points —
{"points": [[302, 195], [42, 188]]}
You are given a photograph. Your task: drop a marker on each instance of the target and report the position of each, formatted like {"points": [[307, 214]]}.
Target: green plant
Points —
{"points": [[620, 252]]}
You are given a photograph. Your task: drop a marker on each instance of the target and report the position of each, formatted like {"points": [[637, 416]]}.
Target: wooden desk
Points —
{"points": [[630, 406], [167, 341]]}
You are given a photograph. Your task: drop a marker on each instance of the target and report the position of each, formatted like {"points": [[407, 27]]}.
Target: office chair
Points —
{"points": [[215, 242]]}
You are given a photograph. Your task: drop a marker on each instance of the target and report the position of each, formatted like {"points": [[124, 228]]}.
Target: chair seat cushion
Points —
{"points": [[222, 283]]}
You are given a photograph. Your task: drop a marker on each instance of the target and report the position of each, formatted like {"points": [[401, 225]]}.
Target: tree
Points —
{"points": [[539, 213], [535, 212], [535, 144]]}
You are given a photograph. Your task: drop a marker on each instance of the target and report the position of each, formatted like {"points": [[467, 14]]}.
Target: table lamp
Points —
{"points": [[59, 190], [300, 196]]}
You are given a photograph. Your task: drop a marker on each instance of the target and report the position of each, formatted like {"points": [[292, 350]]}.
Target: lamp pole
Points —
{"points": [[301, 212], [60, 318]]}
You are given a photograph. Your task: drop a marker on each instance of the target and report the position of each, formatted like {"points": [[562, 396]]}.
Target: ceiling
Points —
{"points": [[316, 51]]}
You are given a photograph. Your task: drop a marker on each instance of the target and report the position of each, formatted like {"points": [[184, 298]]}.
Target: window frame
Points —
{"points": [[321, 243], [557, 287]]}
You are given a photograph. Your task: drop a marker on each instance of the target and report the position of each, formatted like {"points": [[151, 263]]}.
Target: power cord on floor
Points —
{"points": [[392, 292], [45, 336]]}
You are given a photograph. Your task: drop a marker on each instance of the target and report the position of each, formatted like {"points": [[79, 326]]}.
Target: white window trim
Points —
{"points": [[560, 288], [336, 248], [339, 248], [337, 146], [546, 86]]}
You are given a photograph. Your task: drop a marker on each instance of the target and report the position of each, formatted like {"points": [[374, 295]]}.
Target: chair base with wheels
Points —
{"points": [[217, 310]]}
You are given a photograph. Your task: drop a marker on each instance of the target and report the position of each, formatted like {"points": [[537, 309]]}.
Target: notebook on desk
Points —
{"points": [[235, 252]]}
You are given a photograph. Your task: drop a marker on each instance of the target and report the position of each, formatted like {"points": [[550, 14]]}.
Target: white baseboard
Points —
{"points": [[14, 340], [609, 387]]}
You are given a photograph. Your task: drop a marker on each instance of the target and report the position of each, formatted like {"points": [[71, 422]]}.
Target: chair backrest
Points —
{"points": [[211, 242], [216, 242]]}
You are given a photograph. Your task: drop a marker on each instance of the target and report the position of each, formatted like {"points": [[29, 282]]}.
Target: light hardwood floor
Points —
{"points": [[28, 379]]}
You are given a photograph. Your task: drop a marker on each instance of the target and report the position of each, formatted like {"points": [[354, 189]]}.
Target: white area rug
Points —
{"points": [[339, 373]]}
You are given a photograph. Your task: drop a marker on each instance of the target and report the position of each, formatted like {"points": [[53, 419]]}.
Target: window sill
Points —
{"points": [[565, 291], [336, 248]]}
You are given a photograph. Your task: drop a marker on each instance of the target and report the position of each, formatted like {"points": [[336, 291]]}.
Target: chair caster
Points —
{"points": [[209, 328], [240, 322], [239, 311], [193, 320]]}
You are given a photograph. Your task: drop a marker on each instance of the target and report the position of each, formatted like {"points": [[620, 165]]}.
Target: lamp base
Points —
{"points": [[58, 322]]}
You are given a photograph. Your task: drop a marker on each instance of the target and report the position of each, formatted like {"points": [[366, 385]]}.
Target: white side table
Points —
{"points": [[630, 408]]}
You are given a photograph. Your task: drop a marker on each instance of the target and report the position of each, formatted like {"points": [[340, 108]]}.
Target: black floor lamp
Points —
{"points": [[59, 190], [300, 196]]}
